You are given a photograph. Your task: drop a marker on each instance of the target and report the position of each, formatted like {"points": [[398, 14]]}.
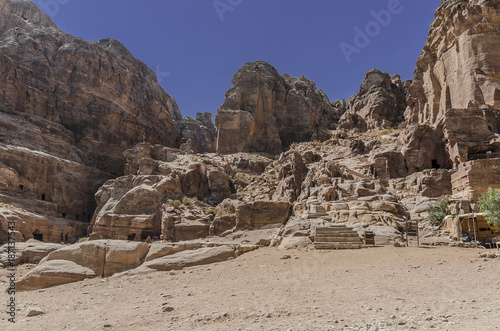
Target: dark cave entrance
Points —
{"points": [[37, 235], [435, 164]]}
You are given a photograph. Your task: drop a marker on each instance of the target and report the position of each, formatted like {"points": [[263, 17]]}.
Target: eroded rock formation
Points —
{"points": [[454, 98], [266, 112], [380, 102], [68, 110]]}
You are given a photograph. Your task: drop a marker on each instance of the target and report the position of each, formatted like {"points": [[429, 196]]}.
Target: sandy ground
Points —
{"points": [[381, 288]]}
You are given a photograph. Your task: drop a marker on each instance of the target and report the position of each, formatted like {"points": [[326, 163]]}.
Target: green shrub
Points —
{"points": [[186, 201], [438, 210], [489, 204], [210, 211], [83, 239], [174, 203]]}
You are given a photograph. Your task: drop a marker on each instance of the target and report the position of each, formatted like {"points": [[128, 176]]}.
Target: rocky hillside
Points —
{"points": [[68, 110], [288, 160]]}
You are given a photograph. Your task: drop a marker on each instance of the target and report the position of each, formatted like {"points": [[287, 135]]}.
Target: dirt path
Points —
{"points": [[382, 288]]}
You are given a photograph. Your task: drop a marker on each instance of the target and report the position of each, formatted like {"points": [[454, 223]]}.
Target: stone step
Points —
{"points": [[338, 239], [336, 246], [339, 235], [336, 233], [350, 234], [333, 230]]}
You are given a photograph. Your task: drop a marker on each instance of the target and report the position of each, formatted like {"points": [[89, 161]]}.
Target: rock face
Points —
{"points": [[454, 98], [262, 213], [460, 64], [201, 131], [266, 112], [380, 102], [35, 226], [141, 204], [473, 178], [68, 110]]}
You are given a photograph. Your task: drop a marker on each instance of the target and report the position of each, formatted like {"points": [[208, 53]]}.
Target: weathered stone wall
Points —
{"points": [[459, 66], [473, 178]]}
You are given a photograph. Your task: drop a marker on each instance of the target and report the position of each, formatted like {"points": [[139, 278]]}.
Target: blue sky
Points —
{"points": [[196, 46]]}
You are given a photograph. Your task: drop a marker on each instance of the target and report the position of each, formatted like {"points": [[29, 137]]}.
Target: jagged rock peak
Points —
{"points": [[380, 102], [266, 112], [28, 11]]}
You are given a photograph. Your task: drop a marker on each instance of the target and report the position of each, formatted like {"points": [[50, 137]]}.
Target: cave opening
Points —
{"points": [[21, 187], [63, 215], [435, 164], [131, 237], [37, 235], [43, 196]]}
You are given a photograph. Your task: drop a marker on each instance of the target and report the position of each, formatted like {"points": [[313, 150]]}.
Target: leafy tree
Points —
{"points": [[489, 204], [438, 210]]}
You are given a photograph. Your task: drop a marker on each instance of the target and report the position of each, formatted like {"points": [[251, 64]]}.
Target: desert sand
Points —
{"points": [[378, 288]]}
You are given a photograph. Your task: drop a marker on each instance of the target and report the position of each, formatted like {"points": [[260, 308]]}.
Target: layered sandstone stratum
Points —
{"points": [[83, 120]]}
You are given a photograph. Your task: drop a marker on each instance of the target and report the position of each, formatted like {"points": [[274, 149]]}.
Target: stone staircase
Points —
{"points": [[337, 237]]}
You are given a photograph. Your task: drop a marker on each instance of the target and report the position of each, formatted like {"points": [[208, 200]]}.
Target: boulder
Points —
{"points": [[223, 223], [259, 214], [295, 242], [191, 258], [103, 257], [32, 251], [160, 249], [52, 273], [191, 230]]}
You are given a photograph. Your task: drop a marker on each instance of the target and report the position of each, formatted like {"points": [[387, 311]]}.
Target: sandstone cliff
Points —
{"points": [[453, 100], [68, 110], [266, 112], [367, 162]]}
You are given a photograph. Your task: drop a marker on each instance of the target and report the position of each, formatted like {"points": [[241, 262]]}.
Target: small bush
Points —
{"points": [[210, 211], [174, 203], [186, 201], [489, 204], [318, 143], [83, 239], [438, 210]]}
